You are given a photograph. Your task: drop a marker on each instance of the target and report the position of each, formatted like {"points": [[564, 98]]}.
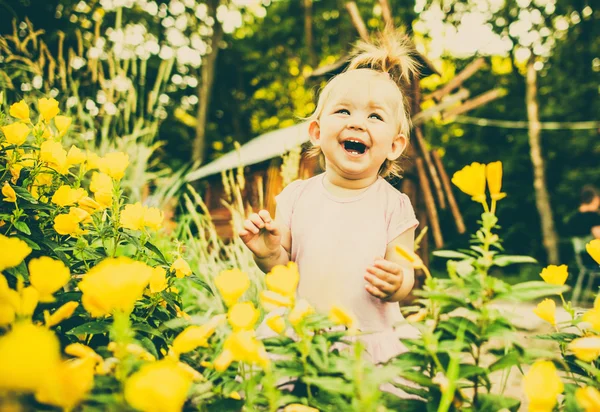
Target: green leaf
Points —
{"points": [[451, 254], [144, 327], [330, 384], [24, 194], [559, 337], [157, 252], [90, 328], [505, 260], [29, 242], [491, 403], [528, 291], [22, 227]]}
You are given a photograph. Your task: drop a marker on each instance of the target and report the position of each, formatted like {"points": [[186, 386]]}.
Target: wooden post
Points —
{"points": [[458, 219], [429, 204], [475, 102], [357, 21], [432, 171], [386, 13]]}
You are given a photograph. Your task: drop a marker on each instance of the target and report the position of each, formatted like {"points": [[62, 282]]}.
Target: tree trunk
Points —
{"points": [[205, 86], [308, 34], [542, 199]]}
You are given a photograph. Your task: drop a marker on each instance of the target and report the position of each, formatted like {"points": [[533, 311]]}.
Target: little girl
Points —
{"points": [[341, 227]]}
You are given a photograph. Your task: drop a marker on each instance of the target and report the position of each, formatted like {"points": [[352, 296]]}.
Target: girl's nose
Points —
{"points": [[356, 123]]}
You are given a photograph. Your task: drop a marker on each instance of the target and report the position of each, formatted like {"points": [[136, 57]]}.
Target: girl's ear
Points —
{"points": [[314, 131], [398, 146]]}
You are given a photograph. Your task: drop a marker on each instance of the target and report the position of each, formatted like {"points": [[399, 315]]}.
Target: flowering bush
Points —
{"points": [[579, 346], [91, 309]]}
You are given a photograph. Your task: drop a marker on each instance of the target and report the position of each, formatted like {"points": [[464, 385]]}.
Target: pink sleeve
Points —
{"points": [[286, 200], [402, 217]]}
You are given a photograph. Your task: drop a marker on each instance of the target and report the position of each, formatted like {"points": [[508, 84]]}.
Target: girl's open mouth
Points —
{"points": [[354, 147]]}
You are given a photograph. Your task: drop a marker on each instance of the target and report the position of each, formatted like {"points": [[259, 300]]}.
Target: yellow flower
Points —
{"points": [[276, 323], [593, 317], [47, 276], [542, 385], [339, 316], [92, 160], [412, 257], [16, 133], [89, 205], [593, 248], [42, 130], [586, 349], [298, 407], [104, 199], [54, 155], [69, 385], [270, 300], [75, 156], [153, 218], [114, 284], [114, 164], [243, 315], [158, 280], [101, 182], [66, 195], [300, 311], [81, 215], [241, 346], [132, 217], [9, 193], [48, 108], [19, 110], [588, 398], [67, 224], [191, 372], [181, 268], [158, 386], [62, 123], [15, 172], [493, 172], [28, 355], [283, 279], [14, 250], [546, 310], [232, 284], [60, 314], [28, 301], [10, 301], [79, 350], [471, 180], [418, 316], [555, 275], [195, 336]]}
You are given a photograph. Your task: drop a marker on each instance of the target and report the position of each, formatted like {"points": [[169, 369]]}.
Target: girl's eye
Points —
{"points": [[343, 111], [376, 116]]}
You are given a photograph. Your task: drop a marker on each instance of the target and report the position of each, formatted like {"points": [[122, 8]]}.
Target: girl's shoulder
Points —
{"points": [[293, 190], [393, 195]]}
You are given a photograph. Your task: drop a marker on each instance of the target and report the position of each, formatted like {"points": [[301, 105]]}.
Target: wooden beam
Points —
{"points": [[458, 219], [357, 21], [386, 13], [475, 102], [430, 166], [457, 80], [429, 204], [451, 100]]}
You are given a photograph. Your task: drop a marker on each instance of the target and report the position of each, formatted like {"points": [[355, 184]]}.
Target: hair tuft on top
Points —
{"points": [[392, 52]]}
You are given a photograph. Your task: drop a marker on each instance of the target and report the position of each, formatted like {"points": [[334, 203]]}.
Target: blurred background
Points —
{"points": [[178, 84]]}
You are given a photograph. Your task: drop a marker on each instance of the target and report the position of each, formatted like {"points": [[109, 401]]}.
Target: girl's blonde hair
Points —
{"points": [[391, 53]]}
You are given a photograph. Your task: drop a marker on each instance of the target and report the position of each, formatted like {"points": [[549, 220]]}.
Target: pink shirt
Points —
{"points": [[335, 239]]}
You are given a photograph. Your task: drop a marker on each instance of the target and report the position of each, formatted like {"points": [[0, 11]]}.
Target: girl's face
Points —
{"points": [[359, 127]]}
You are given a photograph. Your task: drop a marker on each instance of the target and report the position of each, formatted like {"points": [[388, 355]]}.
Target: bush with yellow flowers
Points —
{"points": [[466, 341], [574, 372], [84, 293]]}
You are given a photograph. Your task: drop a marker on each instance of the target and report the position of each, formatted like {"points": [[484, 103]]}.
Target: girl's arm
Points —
{"points": [[282, 255], [407, 241]]}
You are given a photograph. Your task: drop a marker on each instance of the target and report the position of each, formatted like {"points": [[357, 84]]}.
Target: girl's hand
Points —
{"points": [[261, 234], [385, 278]]}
